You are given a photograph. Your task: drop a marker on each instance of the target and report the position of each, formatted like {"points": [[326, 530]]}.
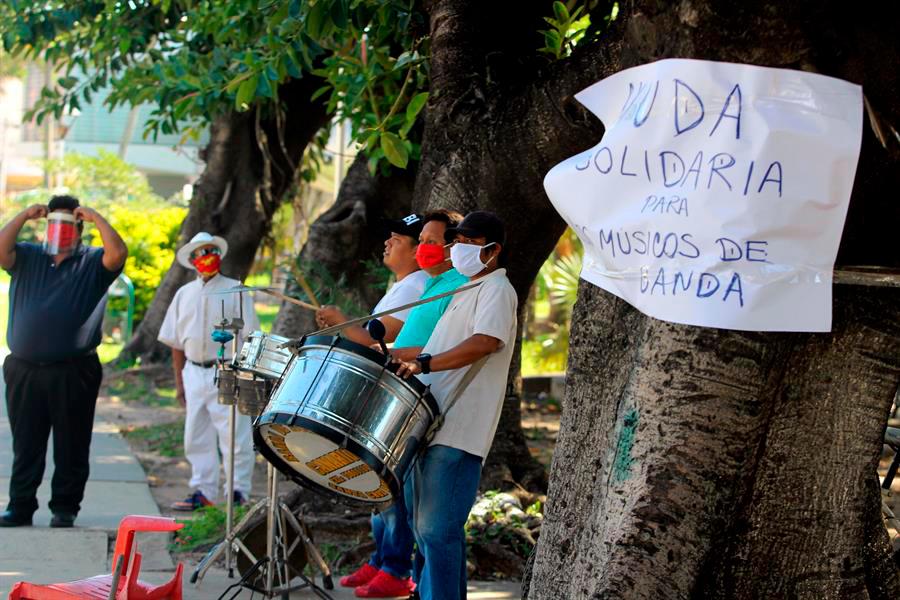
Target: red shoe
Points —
{"points": [[361, 576], [384, 585]]}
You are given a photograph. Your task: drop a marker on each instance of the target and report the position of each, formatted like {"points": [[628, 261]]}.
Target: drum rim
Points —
{"points": [[421, 390], [330, 434]]}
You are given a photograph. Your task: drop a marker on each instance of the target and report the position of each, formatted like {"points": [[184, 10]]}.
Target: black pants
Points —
{"points": [[59, 396]]}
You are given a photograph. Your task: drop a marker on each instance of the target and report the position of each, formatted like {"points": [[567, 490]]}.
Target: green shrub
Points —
{"points": [[151, 234]]}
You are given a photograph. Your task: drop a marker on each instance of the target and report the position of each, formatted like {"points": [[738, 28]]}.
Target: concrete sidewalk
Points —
{"points": [[117, 487]]}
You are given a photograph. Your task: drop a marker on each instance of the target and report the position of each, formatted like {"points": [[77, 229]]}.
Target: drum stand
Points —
{"points": [[274, 568], [235, 326]]}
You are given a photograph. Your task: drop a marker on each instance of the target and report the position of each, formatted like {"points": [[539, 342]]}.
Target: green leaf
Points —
{"points": [[394, 149], [415, 106], [182, 106], [561, 12], [553, 40], [322, 90], [405, 58], [68, 82], [315, 20], [339, 14], [246, 91], [264, 89]]}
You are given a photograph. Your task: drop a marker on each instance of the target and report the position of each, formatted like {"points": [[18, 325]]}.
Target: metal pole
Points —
{"points": [[49, 130], [270, 531], [4, 160], [229, 501], [339, 156]]}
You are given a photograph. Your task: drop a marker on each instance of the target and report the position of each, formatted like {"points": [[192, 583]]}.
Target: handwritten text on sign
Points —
{"points": [[718, 193]]}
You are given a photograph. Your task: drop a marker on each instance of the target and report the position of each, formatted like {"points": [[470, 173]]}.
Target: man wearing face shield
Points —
{"points": [[186, 329], [466, 362], [57, 299]]}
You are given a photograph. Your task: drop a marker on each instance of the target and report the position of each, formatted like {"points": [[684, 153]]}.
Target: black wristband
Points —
{"points": [[424, 361]]}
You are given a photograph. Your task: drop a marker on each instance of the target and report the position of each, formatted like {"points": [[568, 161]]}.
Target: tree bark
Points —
{"points": [[703, 463], [238, 193]]}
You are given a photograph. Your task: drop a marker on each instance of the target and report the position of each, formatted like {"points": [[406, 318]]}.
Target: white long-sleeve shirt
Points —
{"points": [[193, 315]]}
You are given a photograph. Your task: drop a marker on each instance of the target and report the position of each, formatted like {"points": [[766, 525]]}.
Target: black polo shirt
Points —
{"points": [[56, 312]]}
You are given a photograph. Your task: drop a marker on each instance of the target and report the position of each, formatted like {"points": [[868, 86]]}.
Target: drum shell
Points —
{"points": [[262, 355], [252, 394], [354, 401], [226, 382]]}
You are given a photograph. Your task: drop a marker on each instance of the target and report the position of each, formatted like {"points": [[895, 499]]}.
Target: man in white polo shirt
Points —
{"points": [[477, 331]]}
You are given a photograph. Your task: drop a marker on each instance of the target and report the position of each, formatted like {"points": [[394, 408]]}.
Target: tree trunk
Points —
{"points": [[491, 133], [342, 239], [238, 193], [702, 463]]}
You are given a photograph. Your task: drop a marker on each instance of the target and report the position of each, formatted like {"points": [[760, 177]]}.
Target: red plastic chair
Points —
{"points": [[126, 582]]}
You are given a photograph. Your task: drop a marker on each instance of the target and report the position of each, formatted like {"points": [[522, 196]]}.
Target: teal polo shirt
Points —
{"points": [[423, 318]]}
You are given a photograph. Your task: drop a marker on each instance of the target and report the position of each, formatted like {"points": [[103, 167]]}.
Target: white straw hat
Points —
{"points": [[201, 239]]}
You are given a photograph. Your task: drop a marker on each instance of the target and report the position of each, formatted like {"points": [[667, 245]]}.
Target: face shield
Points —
{"points": [[62, 234]]}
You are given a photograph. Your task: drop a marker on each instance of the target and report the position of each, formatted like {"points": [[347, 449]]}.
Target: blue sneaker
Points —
{"points": [[192, 502]]}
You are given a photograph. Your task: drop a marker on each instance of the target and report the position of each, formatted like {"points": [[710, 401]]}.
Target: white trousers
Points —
{"points": [[207, 423]]}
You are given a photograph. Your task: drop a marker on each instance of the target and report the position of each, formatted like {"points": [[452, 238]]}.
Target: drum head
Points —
{"points": [[320, 458]]}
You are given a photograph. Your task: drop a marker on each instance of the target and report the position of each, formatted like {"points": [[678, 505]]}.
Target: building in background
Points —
{"points": [[168, 165]]}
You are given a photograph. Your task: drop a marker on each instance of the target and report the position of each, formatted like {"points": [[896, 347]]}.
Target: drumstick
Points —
{"points": [[298, 275], [287, 298], [358, 320]]}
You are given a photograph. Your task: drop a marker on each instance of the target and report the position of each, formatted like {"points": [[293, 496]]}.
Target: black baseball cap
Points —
{"points": [[410, 225], [477, 224]]}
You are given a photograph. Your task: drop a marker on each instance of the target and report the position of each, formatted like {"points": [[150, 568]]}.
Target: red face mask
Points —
{"points": [[207, 265], [429, 255], [62, 235]]}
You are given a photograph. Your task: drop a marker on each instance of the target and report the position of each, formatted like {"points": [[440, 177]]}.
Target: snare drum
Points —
{"points": [[342, 422], [263, 355]]}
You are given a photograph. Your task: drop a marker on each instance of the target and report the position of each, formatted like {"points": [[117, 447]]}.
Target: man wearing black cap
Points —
{"points": [[57, 298], [392, 560], [400, 257], [466, 363]]}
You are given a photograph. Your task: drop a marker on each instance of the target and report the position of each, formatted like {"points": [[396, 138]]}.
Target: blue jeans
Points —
{"points": [[418, 561], [445, 481], [393, 541]]}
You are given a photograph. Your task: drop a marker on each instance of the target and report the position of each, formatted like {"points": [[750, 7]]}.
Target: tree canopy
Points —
{"points": [[194, 60]]}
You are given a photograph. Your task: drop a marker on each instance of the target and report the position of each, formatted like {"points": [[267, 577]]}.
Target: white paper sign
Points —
{"points": [[718, 193]]}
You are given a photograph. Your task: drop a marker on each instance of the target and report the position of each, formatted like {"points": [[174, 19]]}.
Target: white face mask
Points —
{"points": [[466, 258]]}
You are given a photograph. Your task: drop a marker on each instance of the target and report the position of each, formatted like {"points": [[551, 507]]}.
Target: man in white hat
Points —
{"points": [[189, 323]]}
